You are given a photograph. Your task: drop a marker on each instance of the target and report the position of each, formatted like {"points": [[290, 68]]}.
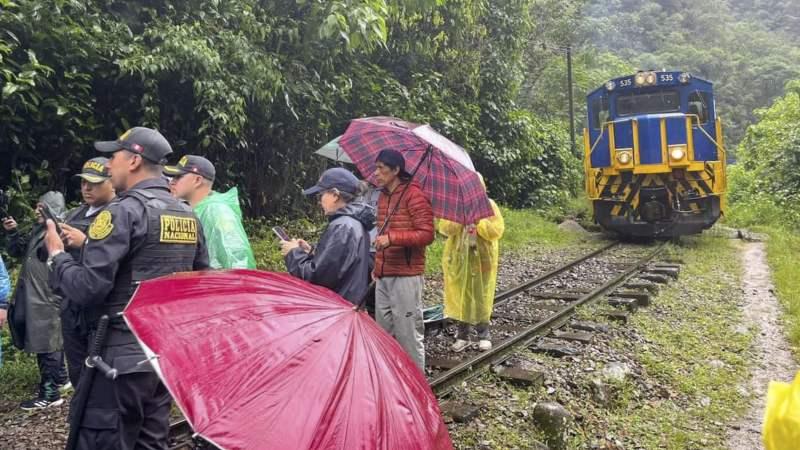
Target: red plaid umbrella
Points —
{"points": [[445, 173], [260, 360]]}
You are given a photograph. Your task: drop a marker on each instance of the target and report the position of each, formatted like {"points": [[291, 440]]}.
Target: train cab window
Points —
{"points": [[599, 112], [698, 105], [649, 103]]}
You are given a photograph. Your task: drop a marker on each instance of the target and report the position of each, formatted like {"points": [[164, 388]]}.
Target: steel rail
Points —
{"points": [[443, 383], [505, 295], [182, 433]]}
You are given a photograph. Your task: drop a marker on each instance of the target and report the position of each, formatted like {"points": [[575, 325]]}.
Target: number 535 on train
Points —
{"points": [[654, 157]]}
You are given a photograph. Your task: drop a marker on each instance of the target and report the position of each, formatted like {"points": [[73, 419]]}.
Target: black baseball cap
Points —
{"points": [[94, 170], [147, 142], [338, 178], [192, 164]]}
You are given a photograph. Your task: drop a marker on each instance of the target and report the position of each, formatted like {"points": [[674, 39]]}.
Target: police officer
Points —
{"points": [[133, 239], [97, 192]]}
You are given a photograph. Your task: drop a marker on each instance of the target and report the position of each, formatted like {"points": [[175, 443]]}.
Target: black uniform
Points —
{"points": [[143, 234], [75, 332]]}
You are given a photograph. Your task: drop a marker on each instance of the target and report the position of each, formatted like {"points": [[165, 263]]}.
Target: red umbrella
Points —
{"points": [[261, 360], [444, 169]]}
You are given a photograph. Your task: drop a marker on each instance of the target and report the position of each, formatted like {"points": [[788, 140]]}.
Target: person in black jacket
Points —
{"points": [[97, 193], [341, 261], [34, 313], [145, 233]]}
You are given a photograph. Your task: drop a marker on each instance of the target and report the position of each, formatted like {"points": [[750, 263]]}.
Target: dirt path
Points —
{"points": [[773, 359]]}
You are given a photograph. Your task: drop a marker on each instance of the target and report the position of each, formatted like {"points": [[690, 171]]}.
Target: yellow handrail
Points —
{"points": [[717, 144], [600, 136]]}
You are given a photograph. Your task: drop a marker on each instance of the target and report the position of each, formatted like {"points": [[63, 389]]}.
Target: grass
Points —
{"points": [[18, 372], [498, 430], [689, 355], [761, 214], [783, 246], [523, 229], [693, 354]]}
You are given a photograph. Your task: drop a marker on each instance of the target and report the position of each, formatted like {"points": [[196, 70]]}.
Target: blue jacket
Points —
{"points": [[341, 261], [5, 285]]}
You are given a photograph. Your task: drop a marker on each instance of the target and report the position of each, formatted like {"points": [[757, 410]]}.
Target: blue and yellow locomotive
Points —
{"points": [[654, 156]]}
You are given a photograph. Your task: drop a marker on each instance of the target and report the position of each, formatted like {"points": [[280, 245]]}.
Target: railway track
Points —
{"points": [[522, 315]]}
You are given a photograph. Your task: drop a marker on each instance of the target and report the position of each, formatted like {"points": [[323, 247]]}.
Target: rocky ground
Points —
{"points": [[44, 430], [774, 361], [613, 393], [676, 377]]}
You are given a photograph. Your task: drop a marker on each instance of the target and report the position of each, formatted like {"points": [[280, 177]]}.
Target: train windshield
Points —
{"points": [[649, 103]]}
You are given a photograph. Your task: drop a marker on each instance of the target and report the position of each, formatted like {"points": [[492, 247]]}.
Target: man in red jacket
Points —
{"points": [[400, 256]]}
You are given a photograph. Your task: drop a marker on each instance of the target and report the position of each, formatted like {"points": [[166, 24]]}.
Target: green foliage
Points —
{"points": [[256, 86], [783, 247], [267, 247], [532, 164], [18, 371], [725, 41], [765, 185], [590, 70]]}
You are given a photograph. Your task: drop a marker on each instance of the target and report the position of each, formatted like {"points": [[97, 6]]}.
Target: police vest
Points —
{"points": [[170, 246]]}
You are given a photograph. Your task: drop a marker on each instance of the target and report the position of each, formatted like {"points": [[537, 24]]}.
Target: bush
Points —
{"points": [[765, 185], [257, 86]]}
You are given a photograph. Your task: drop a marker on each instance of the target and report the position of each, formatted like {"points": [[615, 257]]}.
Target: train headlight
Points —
{"points": [[677, 153], [640, 78], [684, 77], [624, 158], [650, 79], [610, 85]]}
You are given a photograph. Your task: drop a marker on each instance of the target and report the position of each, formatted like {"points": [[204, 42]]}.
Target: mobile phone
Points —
{"points": [[281, 233], [48, 214]]}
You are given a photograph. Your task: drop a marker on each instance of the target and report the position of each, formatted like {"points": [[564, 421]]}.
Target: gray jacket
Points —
{"points": [[35, 317], [341, 261]]}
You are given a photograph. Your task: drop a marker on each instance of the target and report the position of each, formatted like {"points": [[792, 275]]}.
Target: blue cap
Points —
{"points": [[338, 178]]}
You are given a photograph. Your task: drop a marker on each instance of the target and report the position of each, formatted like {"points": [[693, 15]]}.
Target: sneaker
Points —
{"points": [[40, 403], [459, 345], [484, 345]]}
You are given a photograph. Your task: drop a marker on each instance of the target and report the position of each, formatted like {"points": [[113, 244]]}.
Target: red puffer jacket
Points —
{"points": [[410, 230]]}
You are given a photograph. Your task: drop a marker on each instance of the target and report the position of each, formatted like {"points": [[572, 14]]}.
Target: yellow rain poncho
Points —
{"points": [[782, 417], [470, 268]]}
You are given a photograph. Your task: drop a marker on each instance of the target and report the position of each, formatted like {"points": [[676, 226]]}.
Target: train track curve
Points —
{"points": [[523, 314]]}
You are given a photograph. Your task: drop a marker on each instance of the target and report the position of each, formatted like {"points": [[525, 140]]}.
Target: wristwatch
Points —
{"points": [[52, 257]]}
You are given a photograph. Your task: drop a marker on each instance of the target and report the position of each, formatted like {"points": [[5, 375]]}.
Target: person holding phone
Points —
{"points": [[97, 192], [34, 314], [341, 260], [144, 234]]}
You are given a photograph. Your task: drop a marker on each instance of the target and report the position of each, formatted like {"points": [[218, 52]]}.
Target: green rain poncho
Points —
{"points": [[470, 272], [221, 216]]}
